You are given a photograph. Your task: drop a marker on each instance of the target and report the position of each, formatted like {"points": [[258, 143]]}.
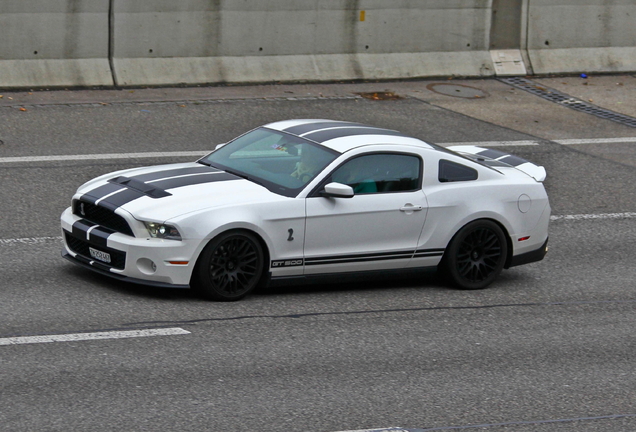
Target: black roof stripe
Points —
{"points": [[329, 134], [312, 127]]}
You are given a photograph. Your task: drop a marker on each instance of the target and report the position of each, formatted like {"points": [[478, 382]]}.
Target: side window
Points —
{"points": [[380, 173], [452, 172]]}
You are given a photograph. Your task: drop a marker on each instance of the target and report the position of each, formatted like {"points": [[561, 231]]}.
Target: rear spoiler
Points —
{"points": [[495, 158]]}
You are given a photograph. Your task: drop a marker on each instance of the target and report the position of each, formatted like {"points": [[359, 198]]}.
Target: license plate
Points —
{"points": [[99, 255]]}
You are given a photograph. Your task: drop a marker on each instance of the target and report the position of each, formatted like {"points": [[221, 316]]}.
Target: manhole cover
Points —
{"points": [[457, 90], [383, 95]]}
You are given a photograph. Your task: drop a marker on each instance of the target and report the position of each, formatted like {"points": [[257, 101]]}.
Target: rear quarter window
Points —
{"points": [[453, 172]]}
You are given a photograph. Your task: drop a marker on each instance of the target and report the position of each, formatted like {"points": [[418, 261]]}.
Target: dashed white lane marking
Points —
{"points": [[573, 217], [199, 153], [74, 337], [388, 429], [28, 240]]}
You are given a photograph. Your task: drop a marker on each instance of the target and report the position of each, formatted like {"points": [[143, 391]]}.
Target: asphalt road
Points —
{"points": [[549, 347]]}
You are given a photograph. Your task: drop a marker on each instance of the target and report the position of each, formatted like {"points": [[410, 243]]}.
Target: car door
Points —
{"points": [[378, 228]]}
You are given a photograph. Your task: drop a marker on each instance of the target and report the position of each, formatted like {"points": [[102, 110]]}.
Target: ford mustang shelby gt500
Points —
{"points": [[302, 198]]}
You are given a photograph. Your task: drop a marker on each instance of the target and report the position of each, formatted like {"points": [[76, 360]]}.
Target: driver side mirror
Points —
{"points": [[337, 190]]}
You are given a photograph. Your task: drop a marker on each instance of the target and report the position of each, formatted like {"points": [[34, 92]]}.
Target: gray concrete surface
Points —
{"points": [[547, 342]]}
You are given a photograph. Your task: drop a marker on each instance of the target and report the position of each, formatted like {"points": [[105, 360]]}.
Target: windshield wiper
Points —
{"points": [[241, 175], [230, 171]]}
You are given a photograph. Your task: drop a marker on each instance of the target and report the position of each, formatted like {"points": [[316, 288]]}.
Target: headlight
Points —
{"points": [[162, 231]]}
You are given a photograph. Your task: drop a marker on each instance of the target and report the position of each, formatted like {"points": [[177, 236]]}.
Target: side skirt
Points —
{"points": [[328, 278]]}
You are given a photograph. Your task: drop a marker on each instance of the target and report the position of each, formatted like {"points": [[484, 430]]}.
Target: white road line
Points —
{"points": [[105, 156], [388, 429], [626, 215], [199, 153], [596, 141], [491, 143], [74, 337]]}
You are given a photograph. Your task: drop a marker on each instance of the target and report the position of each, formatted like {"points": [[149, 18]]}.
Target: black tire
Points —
{"points": [[230, 266], [476, 255]]}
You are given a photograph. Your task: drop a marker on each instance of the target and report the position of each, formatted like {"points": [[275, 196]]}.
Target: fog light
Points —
{"points": [[146, 266]]}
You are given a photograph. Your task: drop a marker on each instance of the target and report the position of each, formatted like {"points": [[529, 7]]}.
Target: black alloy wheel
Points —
{"points": [[230, 267], [476, 255]]}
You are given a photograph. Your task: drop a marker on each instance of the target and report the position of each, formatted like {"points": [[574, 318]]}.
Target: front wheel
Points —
{"points": [[476, 255], [230, 267]]}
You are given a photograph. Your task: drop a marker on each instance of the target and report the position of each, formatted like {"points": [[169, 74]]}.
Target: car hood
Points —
{"points": [[160, 193]]}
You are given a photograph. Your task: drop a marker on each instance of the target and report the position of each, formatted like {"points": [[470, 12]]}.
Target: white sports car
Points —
{"points": [[300, 199]]}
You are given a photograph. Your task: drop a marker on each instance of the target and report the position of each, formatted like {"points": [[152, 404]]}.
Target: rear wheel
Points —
{"points": [[476, 255], [230, 266]]}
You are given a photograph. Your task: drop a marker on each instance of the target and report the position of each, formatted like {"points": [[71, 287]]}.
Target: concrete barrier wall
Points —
{"points": [[195, 41], [566, 36], [54, 43], [46, 43]]}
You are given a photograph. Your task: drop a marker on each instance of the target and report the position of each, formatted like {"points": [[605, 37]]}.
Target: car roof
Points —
{"points": [[343, 136]]}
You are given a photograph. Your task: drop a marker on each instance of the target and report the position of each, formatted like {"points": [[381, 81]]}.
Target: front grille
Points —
{"points": [[80, 247], [101, 216]]}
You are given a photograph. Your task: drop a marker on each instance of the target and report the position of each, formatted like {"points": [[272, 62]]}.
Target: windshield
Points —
{"points": [[281, 162]]}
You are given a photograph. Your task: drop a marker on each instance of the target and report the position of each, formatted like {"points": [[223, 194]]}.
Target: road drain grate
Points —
{"points": [[567, 100]]}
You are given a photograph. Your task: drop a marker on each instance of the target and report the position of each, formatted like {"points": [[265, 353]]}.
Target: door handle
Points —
{"points": [[411, 208]]}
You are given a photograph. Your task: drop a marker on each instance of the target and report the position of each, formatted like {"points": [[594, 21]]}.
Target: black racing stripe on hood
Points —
{"points": [[329, 134], [127, 195], [174, 173], [120, 198], [310, 127], [178, 182], [101, 191], [144, 188]]}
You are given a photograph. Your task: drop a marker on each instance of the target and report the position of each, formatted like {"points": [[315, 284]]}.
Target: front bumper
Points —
{"points": [[150, 261], [81, 261]]}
